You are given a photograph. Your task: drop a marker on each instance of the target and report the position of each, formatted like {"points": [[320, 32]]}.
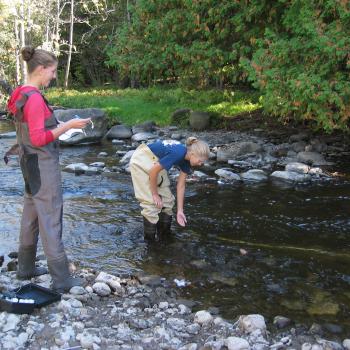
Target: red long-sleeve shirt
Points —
{"points": [[35, 112]]}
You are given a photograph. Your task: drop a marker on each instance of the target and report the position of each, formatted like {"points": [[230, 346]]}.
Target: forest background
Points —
{"points": [[293, 54]]}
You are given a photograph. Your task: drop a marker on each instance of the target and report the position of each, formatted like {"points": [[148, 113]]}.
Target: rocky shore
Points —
{"points": [[236, 157], [143, 312]]}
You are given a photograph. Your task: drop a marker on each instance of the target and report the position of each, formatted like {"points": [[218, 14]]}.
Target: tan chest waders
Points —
{"points": [[156, 221]]}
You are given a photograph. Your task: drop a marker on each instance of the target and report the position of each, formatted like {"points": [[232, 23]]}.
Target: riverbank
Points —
{"points": [[143, 312], [134, 106]]}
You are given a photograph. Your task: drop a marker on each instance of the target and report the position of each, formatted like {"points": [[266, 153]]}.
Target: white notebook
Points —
{"points": [[70, 133]]}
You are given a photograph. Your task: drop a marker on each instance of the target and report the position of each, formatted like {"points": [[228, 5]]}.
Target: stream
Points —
{"points": [[265, 248]]}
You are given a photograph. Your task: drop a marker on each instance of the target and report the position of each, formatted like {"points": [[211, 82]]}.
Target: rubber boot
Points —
{"points": [[26, 263], [164, 225], [62, 281], [149, 230]]}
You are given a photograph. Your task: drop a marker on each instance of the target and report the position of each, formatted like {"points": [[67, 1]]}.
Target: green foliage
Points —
{"points": [[303, 72], [133, 106], [295, 53], [190, 41]]}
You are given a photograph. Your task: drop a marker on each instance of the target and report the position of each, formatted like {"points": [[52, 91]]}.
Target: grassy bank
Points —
{"points": [[133, 106]]}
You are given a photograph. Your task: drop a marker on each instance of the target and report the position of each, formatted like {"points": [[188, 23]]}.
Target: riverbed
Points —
{"points": [[260, 248]]}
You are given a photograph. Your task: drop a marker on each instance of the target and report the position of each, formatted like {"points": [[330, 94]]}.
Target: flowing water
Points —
{"points": [[270, 249]]}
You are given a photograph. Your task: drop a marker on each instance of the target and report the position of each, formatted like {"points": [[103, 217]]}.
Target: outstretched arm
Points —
{"points": [[153, 175], [180, 192]]}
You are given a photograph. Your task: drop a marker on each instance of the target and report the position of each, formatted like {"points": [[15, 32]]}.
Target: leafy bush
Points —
{"points": [[303, 71]]}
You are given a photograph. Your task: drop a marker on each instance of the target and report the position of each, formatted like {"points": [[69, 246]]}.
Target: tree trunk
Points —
{"points": [[128, 16], [70, 44], [18, 63], [56, 36], [47, 29], [22, 42]]}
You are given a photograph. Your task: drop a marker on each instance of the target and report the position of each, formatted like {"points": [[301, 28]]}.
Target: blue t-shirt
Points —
{"points": [[171, 153]]}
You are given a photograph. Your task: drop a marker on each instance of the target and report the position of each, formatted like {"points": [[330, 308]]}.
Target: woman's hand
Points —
{"points": [[157, 200], [181, 218], [78, 123], [75, 123]]}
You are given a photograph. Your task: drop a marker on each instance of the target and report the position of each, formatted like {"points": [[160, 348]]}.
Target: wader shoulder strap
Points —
{"points": [[15, 149], [21, 102]]}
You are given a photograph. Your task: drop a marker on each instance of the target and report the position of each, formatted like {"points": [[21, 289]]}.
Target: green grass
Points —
{"points": [[133, 106]]}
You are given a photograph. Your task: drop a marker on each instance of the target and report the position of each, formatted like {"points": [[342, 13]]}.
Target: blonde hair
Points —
{"points": [[37, 57], [197, 147]]}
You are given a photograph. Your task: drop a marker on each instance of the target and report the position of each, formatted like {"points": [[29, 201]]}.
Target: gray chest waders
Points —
{"points": [[43, 204]]}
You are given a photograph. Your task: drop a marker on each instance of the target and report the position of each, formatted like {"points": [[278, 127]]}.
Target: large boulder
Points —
{"points": [[91, 135], [237, 149], [119, 132], [199, 120]]}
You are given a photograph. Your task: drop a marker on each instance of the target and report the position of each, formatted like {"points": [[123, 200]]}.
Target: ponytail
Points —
{"points": [[37, 57], [197, 147]]}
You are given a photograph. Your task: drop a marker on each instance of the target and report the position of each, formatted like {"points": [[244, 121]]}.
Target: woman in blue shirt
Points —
{"points": [[149, 165]]}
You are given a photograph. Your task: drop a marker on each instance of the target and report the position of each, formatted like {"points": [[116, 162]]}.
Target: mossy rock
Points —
{"points": [[229, 281], [181, 117], [323, 308], [296, 305], [199, 120]]}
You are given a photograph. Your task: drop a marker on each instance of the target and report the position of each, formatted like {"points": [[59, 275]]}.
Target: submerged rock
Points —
{"points": [[227, 175], [254, 175], [323, 308], [290, 176]]}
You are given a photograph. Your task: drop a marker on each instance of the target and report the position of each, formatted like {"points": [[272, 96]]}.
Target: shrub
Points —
{"points": [[303, 71]]}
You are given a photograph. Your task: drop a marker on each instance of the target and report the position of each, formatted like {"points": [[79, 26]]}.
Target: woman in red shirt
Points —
{"points": [[37, 133]]}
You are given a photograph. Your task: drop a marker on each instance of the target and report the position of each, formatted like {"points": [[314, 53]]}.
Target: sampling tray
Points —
{"points": [[42, 296]]}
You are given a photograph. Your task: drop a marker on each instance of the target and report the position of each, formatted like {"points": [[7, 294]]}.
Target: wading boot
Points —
{"points": [[26, 263], [62, 281], [164, 225], [149, 230]]}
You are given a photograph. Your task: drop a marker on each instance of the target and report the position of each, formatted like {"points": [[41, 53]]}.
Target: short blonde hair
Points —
{"points": [[197, 147]]}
